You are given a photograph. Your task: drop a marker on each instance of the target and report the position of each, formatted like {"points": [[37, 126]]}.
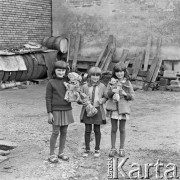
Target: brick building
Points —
{"points": [[24, 20]]}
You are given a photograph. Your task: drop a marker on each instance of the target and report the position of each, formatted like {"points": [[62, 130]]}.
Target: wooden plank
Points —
{"points": [[104, 60], [148, 48], [154, 62], [85, 59], [159, 60], [124, 55], [112, 48], [68, 51], [77, 45], [108, 60], [82, 66], [138, 62], [140, 72], [158, 65], [104, 52]]}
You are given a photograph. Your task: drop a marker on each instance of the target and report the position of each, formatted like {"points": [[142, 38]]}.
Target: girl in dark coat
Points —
{"points": [[58, 109]]}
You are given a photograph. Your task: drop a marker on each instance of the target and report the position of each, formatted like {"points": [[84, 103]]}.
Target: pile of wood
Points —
{"points": [[145, 72]]}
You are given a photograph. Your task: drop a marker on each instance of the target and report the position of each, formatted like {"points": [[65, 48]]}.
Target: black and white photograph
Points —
{"points": [[89, 89]]}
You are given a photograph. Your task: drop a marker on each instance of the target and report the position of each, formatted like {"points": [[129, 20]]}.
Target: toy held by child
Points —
{"points": [[90, 109], [73, 87], [114, 86]]}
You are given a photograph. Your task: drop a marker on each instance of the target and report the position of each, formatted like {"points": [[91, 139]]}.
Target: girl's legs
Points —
{"points": [[88, 129], [53, 139], [113, 132], [62, 139], [122, 133], [97, 136]]}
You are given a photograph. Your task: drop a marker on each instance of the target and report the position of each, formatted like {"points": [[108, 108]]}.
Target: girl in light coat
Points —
{"points": [[96, 92], [119, 111]]}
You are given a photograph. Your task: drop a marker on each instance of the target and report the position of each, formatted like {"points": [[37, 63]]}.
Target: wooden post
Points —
{"points": [[148, 48], [68, 51], [77, 45]]}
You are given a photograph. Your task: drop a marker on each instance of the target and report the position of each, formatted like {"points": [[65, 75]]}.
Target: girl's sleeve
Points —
{"points": [[131, 93], [108, 92], [49, 97], [104, 98]]}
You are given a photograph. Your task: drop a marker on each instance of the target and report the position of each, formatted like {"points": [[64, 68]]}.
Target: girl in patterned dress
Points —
{"points": [[119, 111]]}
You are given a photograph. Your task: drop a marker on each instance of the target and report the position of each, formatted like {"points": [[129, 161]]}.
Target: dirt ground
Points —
{"points": [[152, 133]]}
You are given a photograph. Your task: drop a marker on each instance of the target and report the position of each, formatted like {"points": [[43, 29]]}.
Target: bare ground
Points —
{"points": [[152, 134]]}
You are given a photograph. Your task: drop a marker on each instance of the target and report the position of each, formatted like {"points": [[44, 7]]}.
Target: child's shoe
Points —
{"points": [[86, 153], [96, 153], [112, 152], [53, 159], [63, 157], [121, 153]]}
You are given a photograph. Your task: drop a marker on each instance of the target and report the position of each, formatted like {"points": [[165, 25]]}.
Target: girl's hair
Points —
{"points": [[59, 65], [118, 68], [94, 71]]}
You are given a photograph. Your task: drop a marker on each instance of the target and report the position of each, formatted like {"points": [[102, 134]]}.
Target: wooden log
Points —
{"points": [[148, 48], [77, 45]]}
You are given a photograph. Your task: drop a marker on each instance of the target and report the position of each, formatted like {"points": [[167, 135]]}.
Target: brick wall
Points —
{"points": [[24, 20]]}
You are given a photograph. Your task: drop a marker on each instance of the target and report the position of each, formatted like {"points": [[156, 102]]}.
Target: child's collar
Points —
{"points": [[122, 80], [91, 84]]}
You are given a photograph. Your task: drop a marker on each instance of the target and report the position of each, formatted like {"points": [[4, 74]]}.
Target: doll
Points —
{"points": [[115, 85], [73, 87], [90, 109]]}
